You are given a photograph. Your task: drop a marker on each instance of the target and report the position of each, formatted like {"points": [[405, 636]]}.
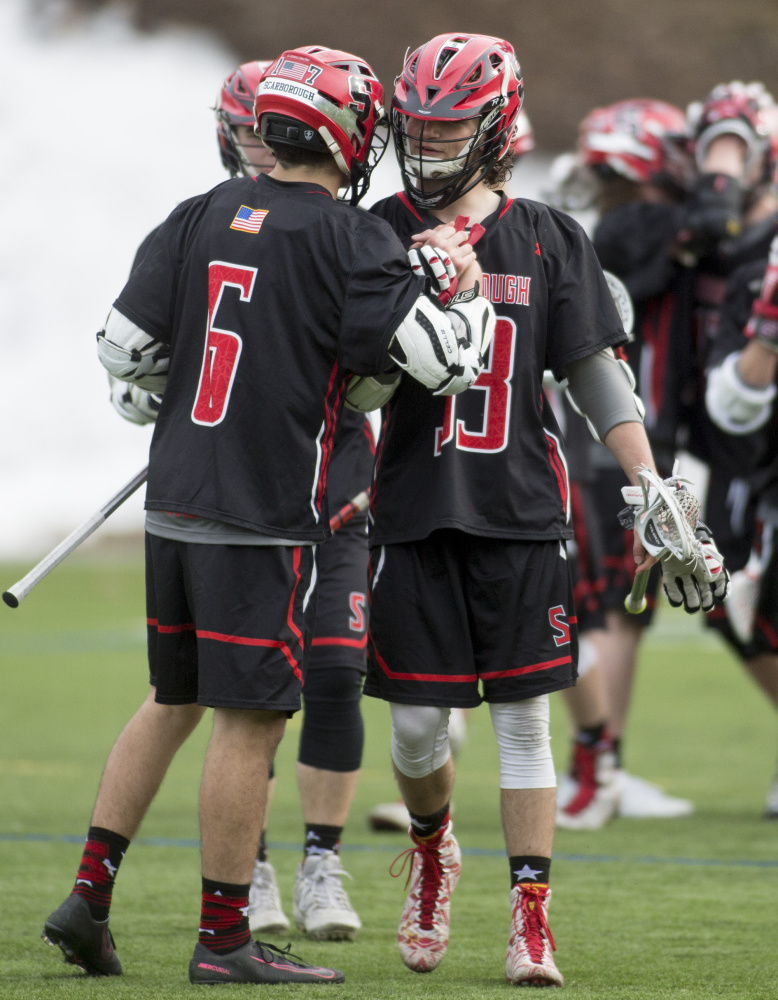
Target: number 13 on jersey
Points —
{"points": [[222, 347], [492, 435]]}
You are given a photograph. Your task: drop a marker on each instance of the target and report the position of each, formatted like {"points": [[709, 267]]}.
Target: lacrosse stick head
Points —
{"points": [[668, 519]]}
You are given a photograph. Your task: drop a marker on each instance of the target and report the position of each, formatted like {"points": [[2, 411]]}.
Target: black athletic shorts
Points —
{"points": [[586, 556], [618, 563], [226, 624], [340, 629], [454, 610]]}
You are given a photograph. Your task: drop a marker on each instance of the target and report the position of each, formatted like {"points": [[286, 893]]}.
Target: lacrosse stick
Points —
{"points": [[349, 510], [22, 587], [665, 525]]}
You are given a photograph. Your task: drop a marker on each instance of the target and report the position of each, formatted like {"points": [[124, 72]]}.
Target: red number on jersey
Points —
{"points": [[357, 604], [222, 347], [494, 380]]}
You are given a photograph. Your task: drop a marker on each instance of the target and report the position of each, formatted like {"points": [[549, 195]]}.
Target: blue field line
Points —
{"points": [[475, 852]]}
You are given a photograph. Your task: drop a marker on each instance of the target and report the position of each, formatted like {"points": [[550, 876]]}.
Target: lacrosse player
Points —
{"points": [[257, 308], [471, 598], [740, 397], [332, 731]]}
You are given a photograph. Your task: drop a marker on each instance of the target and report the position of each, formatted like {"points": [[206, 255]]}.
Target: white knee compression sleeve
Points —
{"points": [[587, 655], [419, 739], [524, 743]]}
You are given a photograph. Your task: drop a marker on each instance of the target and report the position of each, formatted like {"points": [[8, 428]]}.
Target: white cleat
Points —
{"points": [[422, 936], [595, 799], [266, 915], [322, 909], [390, 816], [641, 799], [530, 957]]}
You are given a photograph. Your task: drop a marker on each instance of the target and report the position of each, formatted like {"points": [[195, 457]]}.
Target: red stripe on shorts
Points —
{"points": [[531, 669]]}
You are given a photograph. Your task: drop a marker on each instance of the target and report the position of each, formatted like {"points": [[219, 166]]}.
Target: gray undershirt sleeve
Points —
{"points": [[601, 390]]}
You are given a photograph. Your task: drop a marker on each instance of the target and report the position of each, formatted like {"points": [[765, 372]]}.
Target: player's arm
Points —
{"points": [[130, 354], [601, 389], [741, 389]]}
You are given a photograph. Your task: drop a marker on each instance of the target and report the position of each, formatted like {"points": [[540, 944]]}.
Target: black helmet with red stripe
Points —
{"points": [[474, 80]]}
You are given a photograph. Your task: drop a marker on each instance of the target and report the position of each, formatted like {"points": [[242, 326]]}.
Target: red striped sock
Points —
{"points": [[103, 853], [224, 917]]}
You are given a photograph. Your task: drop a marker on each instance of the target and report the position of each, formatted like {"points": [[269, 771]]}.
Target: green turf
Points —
{"points": [[641, 909]]}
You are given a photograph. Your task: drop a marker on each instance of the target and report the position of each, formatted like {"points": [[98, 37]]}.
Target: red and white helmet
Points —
{"points": [[641, 139], [328, 101], [235, 106], [768, 126], [455, 77]]}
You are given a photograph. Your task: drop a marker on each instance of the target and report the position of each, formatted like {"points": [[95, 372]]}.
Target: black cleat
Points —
{"points": [[84, 942], [256, 963]]}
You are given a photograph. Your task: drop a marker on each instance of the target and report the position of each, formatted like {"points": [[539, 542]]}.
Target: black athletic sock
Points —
{"points": [[590, 736], [529, 868], [262, 849], [320, 838], [224, 921], [428, 826], [103, 853]]}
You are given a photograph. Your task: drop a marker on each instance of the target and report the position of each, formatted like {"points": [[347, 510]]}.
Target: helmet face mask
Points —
{"points": [[235, 108], [472, 80], [335, 95]]}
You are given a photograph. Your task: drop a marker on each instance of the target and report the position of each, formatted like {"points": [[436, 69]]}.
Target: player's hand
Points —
{"points": [[452, 241], [763, 324], [434, 264], [642, 559], [713, 214], [703, 585], [133, 403]]}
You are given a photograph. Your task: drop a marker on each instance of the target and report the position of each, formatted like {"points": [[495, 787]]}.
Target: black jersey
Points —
{"points": [[633, 241], [758, 451], [270, 294], [490, 461]]}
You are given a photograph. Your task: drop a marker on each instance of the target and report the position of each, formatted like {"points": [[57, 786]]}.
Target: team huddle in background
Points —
{"points": [[534, 388]]}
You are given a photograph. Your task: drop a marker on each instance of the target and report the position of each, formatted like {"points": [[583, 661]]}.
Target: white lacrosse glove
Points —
{"points": [[134, 403], [436, 265], [473, 319], [706, 585], [666, 517]]}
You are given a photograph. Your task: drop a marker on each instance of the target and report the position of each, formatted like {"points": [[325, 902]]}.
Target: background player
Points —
{"points": [[230, 548], [469, 576]]}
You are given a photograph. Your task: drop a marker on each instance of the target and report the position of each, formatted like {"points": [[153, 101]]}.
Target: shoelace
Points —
{"points": [[534, 916], [270, 953], [327, 884], [431, 877]]}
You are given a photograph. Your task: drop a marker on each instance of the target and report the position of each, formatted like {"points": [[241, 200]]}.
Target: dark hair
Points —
{"points": [[500, 172], [295, 156]]}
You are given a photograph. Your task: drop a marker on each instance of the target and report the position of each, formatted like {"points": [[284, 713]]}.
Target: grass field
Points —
{"points": [[642, 909]]}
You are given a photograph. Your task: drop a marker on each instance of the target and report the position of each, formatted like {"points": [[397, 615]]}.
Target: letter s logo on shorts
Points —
{"points": [[558, 620], [356, 603]]}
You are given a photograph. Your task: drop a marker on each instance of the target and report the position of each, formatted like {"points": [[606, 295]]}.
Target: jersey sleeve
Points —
{"points": [[148, 298], [582, 317], [633, 241], [742, 288], [380, 292]]}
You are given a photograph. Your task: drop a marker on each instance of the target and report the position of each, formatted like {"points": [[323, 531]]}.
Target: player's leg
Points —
{"points": [[135, 769], [521, 655], [420, 660], [332, 735], [251, 609]]}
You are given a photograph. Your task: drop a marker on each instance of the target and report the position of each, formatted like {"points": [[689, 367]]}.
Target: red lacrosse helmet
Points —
{"points": [[455, 78], [340, 100], [235, 106], [642, 140]]}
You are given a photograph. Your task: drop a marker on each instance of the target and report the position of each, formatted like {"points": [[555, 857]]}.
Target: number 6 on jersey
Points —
{"points": [[222, 347]]}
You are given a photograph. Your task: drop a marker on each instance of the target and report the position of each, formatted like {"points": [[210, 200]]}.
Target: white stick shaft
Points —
{"points": [[22, 587]]}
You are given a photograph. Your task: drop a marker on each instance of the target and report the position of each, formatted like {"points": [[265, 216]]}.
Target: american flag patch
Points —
{"points": [[290, 68], [249, 220]]}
